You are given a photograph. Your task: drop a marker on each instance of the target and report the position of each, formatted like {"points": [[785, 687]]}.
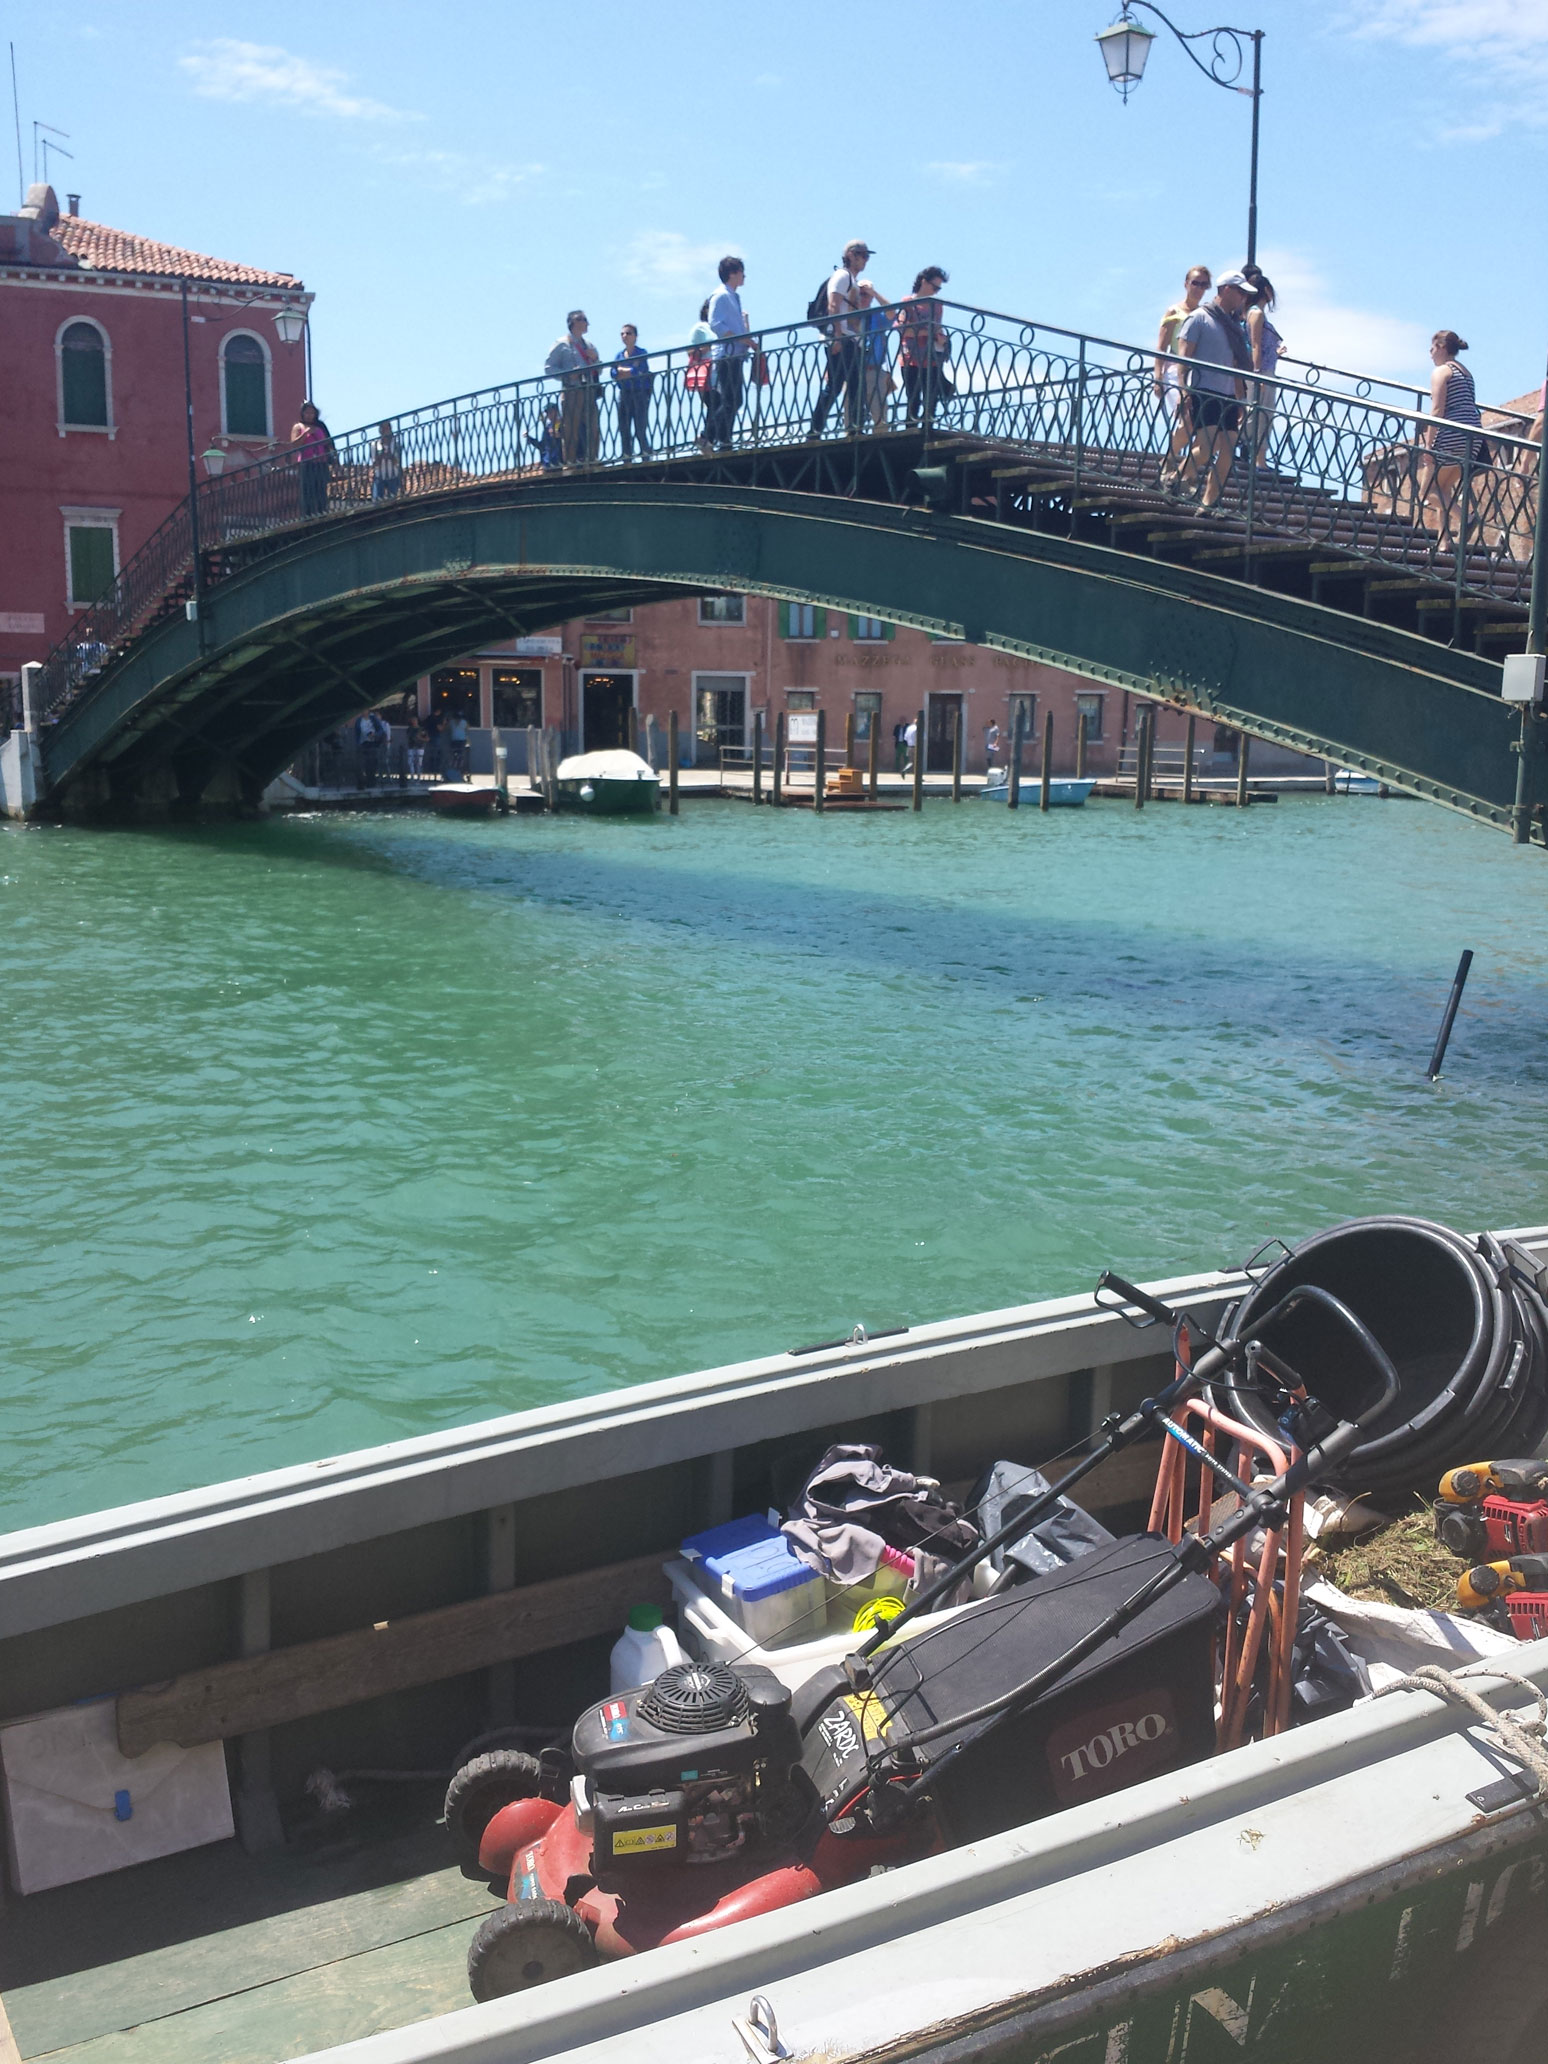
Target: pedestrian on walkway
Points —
{"points": [[434, 725], [875, 338], [1214, 339], [457, 739], [1169, 375], [923, 347], [1267, 348], [700, 367], [732, 345], [314, 450], [633, 380], [991, 742], [899, 747], [845, 373], [910, 743], [415, 747], [1448, 449], [574, 361], [386, 465]]}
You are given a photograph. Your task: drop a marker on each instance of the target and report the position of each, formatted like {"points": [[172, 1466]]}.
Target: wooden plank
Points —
{"points": [[239, 1697], [9, 2053], [110, 1997]]}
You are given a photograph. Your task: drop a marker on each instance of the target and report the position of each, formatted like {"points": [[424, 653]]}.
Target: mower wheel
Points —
{"points": [[480, 1788], [527, 1944]]}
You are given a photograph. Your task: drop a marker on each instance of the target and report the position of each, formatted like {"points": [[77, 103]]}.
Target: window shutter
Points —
{"points": [[854, 627], [91, 562], [784, 619], [819, 623], [83, 369], [888, 629]]}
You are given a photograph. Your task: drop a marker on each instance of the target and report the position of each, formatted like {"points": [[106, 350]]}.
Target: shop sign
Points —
{"points": [[546, 647], [607, 649]]}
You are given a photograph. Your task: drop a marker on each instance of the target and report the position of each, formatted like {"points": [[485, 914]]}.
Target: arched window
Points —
{"points": [[83, 383], [245, 384]]}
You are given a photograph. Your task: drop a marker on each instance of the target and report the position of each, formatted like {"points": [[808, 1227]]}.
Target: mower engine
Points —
{"points": [[699, 1767]]}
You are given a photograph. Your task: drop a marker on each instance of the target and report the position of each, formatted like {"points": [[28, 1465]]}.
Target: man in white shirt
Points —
{"points": [[910, 743], [849, 295], [731, 346]]}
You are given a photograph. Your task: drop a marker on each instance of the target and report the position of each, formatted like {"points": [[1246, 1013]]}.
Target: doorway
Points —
{"points": [[944, 714], [606, 700], [719, 716]]}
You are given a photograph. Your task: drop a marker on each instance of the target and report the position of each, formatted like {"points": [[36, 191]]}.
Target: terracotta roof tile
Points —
{"points": [[116, 250]]}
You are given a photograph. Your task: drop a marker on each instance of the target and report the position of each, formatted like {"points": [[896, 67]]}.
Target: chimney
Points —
{"points": [[74, 200]]}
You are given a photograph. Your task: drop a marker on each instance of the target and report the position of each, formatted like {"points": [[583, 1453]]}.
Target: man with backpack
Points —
{"points": [[838, 307]]}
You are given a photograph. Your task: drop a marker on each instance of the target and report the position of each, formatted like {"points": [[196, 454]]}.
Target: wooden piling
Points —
{"points": [[1147, 718], [672, 763], [1329, 777], [534, 759], [757, 757], [820, 771], [1013, 790], [634, 729], [1193, 725], [1045, 784], [1243, 749], [919, 760], [849, 739], [873, 764], [779, 758], [1081, 731], [956, 753]]}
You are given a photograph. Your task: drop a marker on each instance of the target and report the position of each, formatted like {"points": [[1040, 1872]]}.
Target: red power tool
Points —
{"points": [[1492, 1510]]}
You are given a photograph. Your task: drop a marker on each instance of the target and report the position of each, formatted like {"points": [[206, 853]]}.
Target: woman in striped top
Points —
{"points": [[1452, 402]]}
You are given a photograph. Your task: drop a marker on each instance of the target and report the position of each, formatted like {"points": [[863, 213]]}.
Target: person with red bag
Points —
{"points": [[696, 375]]}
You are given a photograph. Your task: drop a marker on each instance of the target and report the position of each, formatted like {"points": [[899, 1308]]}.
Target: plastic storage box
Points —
{"points": [[759, 1581]]}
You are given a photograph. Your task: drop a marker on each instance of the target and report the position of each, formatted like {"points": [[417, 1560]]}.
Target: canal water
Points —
{"points": [[324, 1131]]}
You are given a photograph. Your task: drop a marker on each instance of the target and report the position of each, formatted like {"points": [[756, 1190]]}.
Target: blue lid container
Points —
{"points": [[717, 1541]]}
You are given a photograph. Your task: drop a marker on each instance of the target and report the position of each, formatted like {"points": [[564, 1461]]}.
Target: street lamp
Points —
{"points": [[1125, 45]]}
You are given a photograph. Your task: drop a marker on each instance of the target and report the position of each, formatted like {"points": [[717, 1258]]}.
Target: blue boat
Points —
{"points": [[1064, 791]]}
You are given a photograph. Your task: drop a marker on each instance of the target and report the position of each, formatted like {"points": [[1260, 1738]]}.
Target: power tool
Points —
{"points": [[1488, 1510], [1486, 1582]]}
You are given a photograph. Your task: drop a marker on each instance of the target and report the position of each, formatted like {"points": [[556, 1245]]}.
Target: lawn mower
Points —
{"points": [[716, 1793]]}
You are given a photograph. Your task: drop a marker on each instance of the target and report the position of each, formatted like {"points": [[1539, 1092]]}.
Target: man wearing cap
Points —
{"points": [[1215, 339], [848, 297]]}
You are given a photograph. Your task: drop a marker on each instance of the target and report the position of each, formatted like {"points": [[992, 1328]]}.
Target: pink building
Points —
{"points": [[93, 420], [721, 660]]}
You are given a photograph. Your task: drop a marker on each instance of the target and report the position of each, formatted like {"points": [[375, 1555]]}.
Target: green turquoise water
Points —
{"points": [[321, 1132]]}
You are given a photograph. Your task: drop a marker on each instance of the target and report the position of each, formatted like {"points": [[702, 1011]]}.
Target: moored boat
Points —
{"points": [[1371, 1883], [1064, 791], [462, 799], [608, 784]]}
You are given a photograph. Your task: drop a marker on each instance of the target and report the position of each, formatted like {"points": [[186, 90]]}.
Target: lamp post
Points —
{"points": [[1126, 45]]}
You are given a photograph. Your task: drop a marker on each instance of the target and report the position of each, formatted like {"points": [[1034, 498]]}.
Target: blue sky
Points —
{"points": [[450, 181]]}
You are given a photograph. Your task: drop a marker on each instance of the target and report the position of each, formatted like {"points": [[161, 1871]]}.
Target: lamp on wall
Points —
{"points": [[290, 323]]}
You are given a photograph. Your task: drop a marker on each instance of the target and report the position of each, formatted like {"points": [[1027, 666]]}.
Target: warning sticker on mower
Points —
{"points": [[629, 1841], [616, 1715]]}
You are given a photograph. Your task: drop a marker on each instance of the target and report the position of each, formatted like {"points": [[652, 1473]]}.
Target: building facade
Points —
{"points": [[721, 661], [94, 416]]}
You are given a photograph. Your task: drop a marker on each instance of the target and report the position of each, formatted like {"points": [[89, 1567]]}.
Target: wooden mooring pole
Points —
{"points": [[779, 758], [1142, 756], [672, 763], [1081, 731], [873, 764], [1045, 783], [757, 757], [1193, 725], [1243, 750], [634, 729], [956, 754], [919, 760], [1013, 788], [849, 739], [820, 771]]}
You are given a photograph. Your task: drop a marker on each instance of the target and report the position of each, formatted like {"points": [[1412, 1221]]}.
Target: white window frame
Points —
{"points": [[722, 623], [248, 436], [869, 630], [811, 637], [698, 674], [109, 429], [86, 519]]}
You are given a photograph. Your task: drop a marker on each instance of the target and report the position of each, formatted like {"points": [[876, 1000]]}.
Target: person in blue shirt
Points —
{"points": [[633, 379], [731, 348], [550, 441]]}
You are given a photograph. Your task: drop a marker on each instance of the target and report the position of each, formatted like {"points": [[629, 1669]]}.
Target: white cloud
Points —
{"points": [[964, 171], [226, 69], [1317, 325], [663, 261], [474, 180], [1495, 51]]}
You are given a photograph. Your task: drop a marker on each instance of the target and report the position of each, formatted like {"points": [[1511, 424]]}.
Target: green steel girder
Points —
{"points": [[384, 596]]}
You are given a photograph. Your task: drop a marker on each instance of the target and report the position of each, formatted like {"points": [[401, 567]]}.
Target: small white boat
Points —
{"points": [[1064, 791], [608, 784], [1350, 781]]}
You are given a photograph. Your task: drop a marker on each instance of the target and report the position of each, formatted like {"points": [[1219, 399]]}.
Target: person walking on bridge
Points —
{"points": [[846, 347], [732, 344], [1452, 401], [1214, 339], [924, 348], [1169, 375], [314, 449], [633, 380], [574, 361]]}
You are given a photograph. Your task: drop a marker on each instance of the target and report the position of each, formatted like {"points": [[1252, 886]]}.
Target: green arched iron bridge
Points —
{"points": [[1324, 601]]}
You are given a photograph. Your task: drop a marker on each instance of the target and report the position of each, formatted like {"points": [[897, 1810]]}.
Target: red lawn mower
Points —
{"points": [[716, 1793]]}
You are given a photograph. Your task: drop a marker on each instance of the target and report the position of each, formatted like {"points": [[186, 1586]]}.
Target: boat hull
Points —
{"points": [[1063, 794], [604, 798]]}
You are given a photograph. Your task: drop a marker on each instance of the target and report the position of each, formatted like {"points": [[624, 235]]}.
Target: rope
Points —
{"points": [[1522, 1740]]}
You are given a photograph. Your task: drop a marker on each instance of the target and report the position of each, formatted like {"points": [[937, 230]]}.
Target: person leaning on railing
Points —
{"points": [[574, 361], [1267, 345], [386, 465], [924, 347], [314, 449]]}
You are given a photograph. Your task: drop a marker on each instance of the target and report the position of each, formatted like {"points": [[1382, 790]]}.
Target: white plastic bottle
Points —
{"points": [[645, 1648]]}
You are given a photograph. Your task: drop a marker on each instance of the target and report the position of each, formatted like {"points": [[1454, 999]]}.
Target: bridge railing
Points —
{"points": [[1074, 414]]}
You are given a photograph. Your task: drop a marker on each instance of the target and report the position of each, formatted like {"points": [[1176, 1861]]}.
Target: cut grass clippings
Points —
{"points": [[1400, 1563]]}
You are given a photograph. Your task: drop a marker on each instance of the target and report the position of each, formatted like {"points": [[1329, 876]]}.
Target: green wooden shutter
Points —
{"points": [[819, 623], [83, 371], [784, 619], [888, 629], [854, 627], [91, 562]]}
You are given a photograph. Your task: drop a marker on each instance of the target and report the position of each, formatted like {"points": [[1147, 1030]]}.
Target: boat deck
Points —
{"points": [[223, 1958]]}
